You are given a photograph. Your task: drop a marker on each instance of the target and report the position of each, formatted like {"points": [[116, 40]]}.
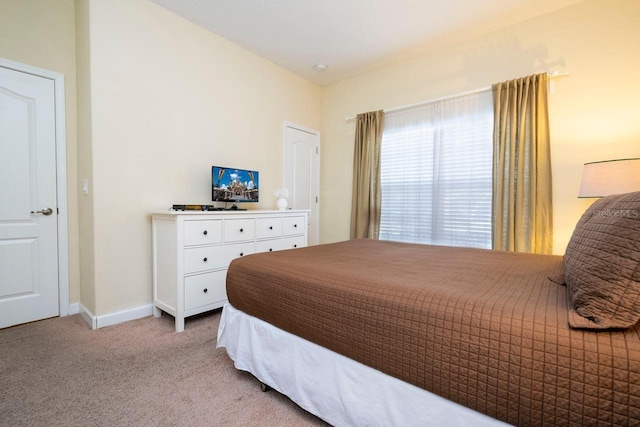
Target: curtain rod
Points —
{"points": [[550, 74]]}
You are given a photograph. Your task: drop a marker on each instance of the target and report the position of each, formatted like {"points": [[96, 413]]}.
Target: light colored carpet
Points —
{"points": [[58, 372]]}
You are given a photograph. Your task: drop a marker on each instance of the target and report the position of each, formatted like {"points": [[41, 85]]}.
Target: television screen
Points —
{"points": [[234, 185]]}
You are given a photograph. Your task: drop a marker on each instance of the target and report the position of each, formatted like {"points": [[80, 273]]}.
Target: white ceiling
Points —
{"points": [[352, 36]]}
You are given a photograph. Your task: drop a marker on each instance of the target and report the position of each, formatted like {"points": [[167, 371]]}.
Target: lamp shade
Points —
{"points": [[601, 179]]}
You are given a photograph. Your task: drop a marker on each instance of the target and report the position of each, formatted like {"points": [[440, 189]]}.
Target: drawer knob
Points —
{"points": [[295, 225], [271, 227], [270, 249], [241, 230], [205, 290], [204, 259], [204, 232], [295, 246], [241, 253]]}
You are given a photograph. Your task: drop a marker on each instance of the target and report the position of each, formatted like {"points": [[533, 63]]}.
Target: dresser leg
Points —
{"points": [[156, 312], [179, 324]]}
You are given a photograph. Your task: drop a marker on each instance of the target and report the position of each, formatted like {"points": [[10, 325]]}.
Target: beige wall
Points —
{"points": [[85, 157], [41, 34], [594, 112], [168, 100]]}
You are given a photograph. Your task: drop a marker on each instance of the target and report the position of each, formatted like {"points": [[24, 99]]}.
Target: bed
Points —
{"points": [[367, 332]]}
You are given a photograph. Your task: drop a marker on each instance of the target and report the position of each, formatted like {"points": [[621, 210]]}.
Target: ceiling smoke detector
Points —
{"points": [[320, 67]]}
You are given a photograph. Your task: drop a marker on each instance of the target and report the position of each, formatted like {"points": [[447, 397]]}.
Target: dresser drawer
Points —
{"points": [[280, 244], [204, 289], [293, 225], [211, 257], [268, 227], [237, 230], [202, 232], [237, 250]]}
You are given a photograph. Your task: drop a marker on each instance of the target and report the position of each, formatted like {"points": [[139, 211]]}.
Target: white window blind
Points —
{"points": [[436, 172]]}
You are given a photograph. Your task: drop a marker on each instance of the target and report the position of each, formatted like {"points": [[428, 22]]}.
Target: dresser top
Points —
{"points": [[248, 212]]}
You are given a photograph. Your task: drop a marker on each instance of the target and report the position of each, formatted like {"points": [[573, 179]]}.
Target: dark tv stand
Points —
{"points": [[234, 208]]}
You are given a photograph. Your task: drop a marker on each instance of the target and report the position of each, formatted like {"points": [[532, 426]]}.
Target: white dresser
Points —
{"points": [[192, 250]]}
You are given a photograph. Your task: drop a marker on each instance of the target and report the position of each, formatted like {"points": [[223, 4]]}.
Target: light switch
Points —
{"points": [[85, 186]]}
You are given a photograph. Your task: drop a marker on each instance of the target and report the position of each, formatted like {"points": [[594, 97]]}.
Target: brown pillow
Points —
{"points": [[602, 265]]}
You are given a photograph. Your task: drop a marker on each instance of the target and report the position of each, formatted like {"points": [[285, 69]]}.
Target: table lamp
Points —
{"points": [[608, 177]]}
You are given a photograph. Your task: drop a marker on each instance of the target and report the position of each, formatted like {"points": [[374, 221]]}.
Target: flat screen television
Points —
{"points": [[234, 185]]}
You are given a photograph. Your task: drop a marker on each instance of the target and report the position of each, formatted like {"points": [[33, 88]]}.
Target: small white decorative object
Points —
{"points": [[282, 194]]}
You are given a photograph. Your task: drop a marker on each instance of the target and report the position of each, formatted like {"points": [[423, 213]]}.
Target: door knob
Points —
{"points": [[45, 211]]}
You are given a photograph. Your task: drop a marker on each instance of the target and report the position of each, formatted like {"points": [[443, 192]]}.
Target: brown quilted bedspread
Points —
{"points": [[486, 329]]}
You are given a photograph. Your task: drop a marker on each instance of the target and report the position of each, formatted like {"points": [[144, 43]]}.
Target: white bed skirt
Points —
{"points": [[337, 389]]}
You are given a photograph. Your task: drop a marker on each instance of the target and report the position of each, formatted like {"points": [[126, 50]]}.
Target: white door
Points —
{"points": [[302, 174], [28, 211]]}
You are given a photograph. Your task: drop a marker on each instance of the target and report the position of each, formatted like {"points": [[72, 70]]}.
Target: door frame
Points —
{"points": [[61, 175], [316, 133]]}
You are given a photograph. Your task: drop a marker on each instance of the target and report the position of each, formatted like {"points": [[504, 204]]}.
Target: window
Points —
{"points": [[436, 172]]}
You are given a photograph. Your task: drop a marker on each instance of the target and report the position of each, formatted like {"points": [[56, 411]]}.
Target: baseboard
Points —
{"points": [[96, 322], [74, 308], [124, 315], [88, 316]]}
